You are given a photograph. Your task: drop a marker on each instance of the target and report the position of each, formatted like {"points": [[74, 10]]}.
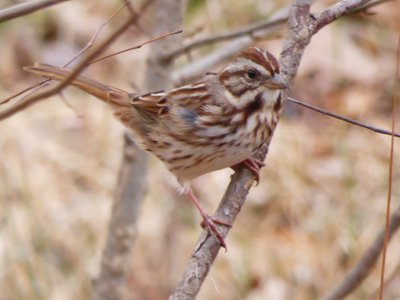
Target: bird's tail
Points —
{"points": [[118, 99]]}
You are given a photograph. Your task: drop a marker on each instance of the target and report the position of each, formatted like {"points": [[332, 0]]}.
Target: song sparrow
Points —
{"points": [[202, 127]]}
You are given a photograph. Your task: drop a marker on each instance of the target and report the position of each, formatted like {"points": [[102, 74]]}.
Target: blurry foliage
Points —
{"points": [[319, 204]]}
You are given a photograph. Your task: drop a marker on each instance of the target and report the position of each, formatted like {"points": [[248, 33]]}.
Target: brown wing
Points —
{"points": [[160, 103]]}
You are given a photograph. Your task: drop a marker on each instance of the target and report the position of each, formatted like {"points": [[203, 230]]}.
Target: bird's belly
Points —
{"points": [[202, 164]]}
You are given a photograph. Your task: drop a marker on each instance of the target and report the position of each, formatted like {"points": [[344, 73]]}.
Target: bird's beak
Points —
{"points": [[276, 83]]}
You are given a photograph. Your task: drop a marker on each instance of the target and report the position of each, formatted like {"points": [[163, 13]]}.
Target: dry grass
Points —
{"points": [[319, 205]]}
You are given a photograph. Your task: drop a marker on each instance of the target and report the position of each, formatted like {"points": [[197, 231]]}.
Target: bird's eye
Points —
{"points": [[252, 74]]}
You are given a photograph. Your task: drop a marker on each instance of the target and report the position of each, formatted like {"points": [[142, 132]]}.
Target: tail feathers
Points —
{"points": [[106, 93]]}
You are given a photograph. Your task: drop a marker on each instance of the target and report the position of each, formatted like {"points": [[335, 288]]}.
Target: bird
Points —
{"points": [[218, 122]]}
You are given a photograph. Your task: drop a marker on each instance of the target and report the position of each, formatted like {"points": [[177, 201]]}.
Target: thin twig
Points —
{"points": [[138, 46], [94, 37], [25, 8], [8, 99], [339, 117], [390, 179]]}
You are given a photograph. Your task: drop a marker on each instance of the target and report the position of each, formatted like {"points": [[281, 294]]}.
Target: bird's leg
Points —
{"points": [[209, 223], [254, 165]]}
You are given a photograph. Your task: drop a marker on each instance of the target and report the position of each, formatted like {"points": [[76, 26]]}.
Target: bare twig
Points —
{"points": [[9, 98], [361, 270], [301, 28], [391, 163], [25, 8], [94, 37], [163, 36], [339, 117]]}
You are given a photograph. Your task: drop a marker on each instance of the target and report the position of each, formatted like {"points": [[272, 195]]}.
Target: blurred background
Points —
{"points": [[320, 203]]}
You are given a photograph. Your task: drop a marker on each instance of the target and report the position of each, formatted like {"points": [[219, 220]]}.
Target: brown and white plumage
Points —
{"points": [[202, 127]]}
